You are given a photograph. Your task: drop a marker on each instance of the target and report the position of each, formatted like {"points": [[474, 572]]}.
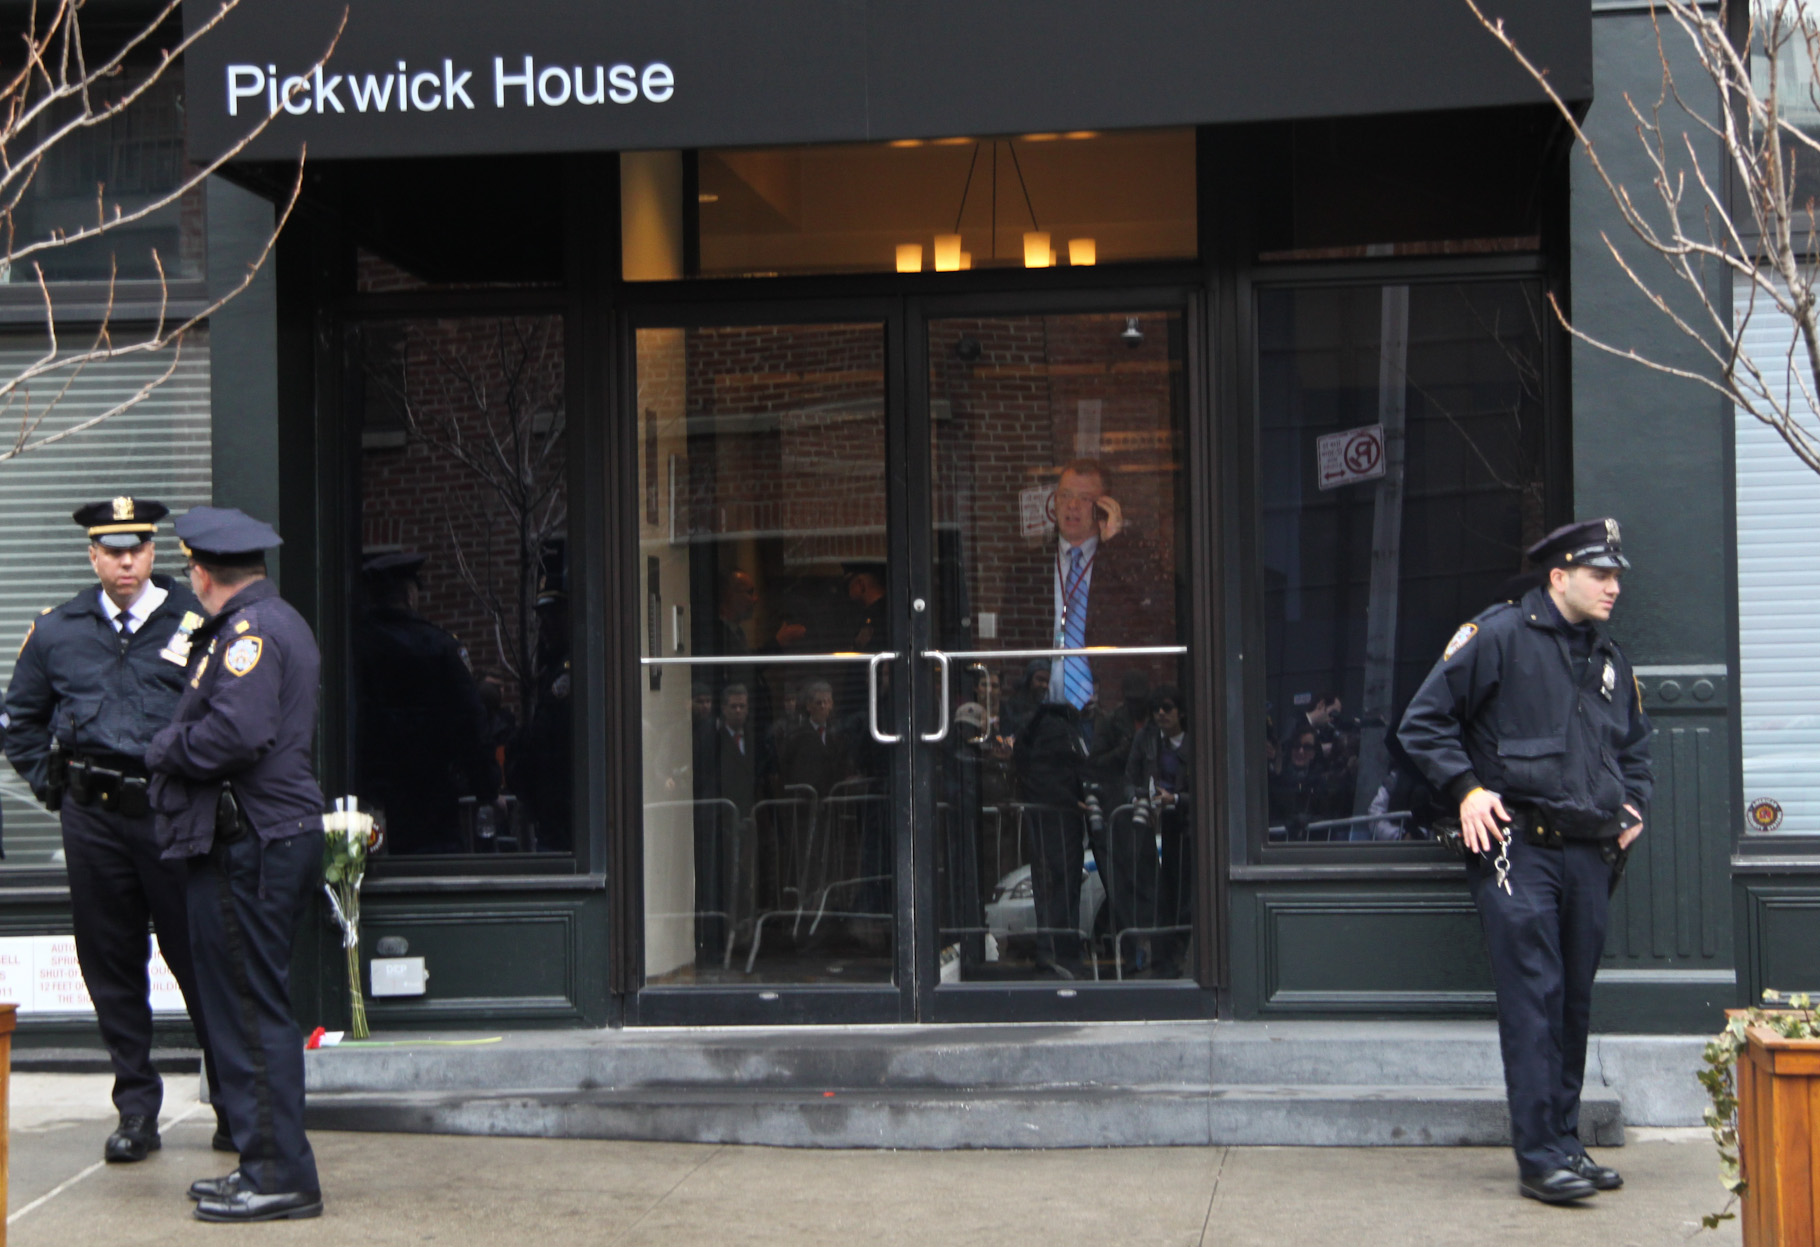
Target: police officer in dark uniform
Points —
{"points": [[95, 679], [236, 801], [1532, 724], [421, 726]]}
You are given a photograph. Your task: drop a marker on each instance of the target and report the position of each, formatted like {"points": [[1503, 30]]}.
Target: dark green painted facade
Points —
{"points": [[1705, 919]]}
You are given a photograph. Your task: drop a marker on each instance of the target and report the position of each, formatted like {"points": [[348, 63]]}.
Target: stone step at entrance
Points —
{"points": [[1094, 1085], [940, 1118]]}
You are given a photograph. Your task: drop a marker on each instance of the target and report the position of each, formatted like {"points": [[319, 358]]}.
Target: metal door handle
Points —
{"points": [[872, 699], [941, 663]]}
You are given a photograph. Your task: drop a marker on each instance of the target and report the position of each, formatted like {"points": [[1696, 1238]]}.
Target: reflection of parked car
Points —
{"points": [[1011, 913]]}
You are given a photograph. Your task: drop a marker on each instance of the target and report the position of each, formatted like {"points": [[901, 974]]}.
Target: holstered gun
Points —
{"points": [[230, 824], [57, 777]]}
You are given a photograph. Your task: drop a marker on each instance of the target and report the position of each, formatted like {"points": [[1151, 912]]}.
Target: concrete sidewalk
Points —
{"points": [[385, 1189]]}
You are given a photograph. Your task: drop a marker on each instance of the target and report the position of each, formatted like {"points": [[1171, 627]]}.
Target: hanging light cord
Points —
{"points": [[1012, 148], [971, 165]]}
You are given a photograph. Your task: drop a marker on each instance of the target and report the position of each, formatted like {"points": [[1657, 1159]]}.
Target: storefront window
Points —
{"points": [[157, 449], [1401, 452], [131, 162], [460, 691], [940, 205]]}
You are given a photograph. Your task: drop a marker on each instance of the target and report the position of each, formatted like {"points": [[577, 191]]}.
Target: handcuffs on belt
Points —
{"points": [[1529, 822]]}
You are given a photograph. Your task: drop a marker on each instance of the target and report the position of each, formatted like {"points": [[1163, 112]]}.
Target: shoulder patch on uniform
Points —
{"points": [[241, 625], [1460, 640], [243, 655]]}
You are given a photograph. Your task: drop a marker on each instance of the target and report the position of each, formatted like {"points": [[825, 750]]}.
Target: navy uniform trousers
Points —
{"points": [[246, 901], [1545, 937], [119, 889]]}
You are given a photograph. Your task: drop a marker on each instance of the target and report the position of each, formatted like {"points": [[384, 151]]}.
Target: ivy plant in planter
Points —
{"points": [[1789, 1017]]}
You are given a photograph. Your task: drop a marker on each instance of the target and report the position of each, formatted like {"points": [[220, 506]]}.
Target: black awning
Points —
{"points": [[450, 77]]}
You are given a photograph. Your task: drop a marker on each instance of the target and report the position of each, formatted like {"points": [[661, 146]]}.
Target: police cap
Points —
{"points": [[224, 536], [393, 564], [121, 523], [1588, 543]]}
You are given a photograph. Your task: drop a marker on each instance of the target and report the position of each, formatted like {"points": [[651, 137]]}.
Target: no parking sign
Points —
{"points": [[1352, 456]]}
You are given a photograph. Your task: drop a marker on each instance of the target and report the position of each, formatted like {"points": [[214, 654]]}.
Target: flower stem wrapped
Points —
{"points": [[350, 835]]}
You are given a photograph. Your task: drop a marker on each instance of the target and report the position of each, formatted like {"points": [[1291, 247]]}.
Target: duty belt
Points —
{"points": [[1532, 824], [115, 782]]}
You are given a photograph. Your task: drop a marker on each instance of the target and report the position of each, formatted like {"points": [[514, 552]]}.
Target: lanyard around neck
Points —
{"points": [[1071, 585]]}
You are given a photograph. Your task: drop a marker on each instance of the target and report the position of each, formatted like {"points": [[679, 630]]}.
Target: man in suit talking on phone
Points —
{"points": [[1097, 601]]}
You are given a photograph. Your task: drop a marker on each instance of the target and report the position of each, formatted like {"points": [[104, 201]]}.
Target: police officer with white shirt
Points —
{"points": [[96, 678]]}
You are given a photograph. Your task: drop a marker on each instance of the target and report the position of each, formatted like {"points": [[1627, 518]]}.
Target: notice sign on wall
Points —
{"points": [[39, 974], [1349, 457]]}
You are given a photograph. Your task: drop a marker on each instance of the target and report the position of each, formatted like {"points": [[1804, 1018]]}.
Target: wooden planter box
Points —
{"points": [[1779, 1137]]}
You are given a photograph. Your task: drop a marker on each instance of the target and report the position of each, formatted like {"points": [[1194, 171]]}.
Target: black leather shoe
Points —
{"points": [[249, 1205], [1557, 1186], [216, 1188], [132, 1139], [1602, 1178], [224, 1138]]}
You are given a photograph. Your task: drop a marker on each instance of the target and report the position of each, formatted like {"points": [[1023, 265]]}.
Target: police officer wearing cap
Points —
{"points": [[236, 802], [1532, 724], [421, 728], [95, 679]]}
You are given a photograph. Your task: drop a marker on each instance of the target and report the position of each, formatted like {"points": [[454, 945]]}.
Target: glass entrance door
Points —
{"points": [[1062, 828], [912, 719]]}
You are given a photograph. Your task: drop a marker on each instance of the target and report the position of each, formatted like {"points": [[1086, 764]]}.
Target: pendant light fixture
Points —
{"points": [[1039, 248]]}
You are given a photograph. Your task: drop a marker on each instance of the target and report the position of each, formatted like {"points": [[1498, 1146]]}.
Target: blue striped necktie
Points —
{"points": [[1077, 679]]}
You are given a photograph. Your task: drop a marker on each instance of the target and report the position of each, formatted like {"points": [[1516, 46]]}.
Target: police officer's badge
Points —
{"points": [[243, 655], [123, 508], [178, 649], [1466, 633]]}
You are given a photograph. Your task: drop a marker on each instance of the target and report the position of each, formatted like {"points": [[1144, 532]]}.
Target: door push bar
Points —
{"points": [[941, 658], [882, 738], [941, 677]]}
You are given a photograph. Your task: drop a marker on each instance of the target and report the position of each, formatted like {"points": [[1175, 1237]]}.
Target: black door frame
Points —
{"points": [[904, 307]]}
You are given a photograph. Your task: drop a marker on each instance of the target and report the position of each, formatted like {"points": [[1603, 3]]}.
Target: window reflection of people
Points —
{"points": [[738, 602], [1031, 692], [1306, 789], [816, 753], [866, 590], [726, 762], [1154, 865], [738, 762], [1322, 718], [1050, 760], [421, 725]]}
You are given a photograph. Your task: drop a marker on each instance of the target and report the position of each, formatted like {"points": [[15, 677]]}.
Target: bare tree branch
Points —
{"points": [[484, 411], [55, 94], [1695, 225]]}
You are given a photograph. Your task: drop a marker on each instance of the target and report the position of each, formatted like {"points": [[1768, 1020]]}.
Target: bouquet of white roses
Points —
{"points": [[350, 834]]}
